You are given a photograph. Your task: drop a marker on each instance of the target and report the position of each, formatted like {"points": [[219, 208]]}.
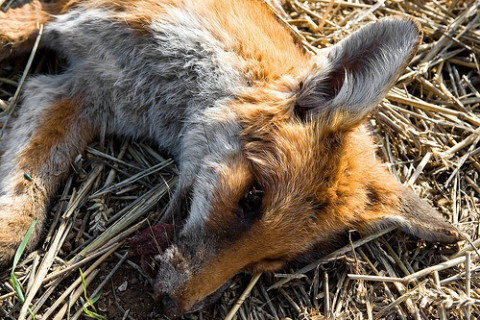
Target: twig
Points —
{"points": [[413, 276], [243, 296]]}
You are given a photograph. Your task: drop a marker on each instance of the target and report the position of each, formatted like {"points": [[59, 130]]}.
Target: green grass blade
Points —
{"points": [[89, 302], [21, 248], [23, 244]]}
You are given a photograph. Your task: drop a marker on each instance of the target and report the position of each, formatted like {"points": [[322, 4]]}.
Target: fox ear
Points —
{"points": [[353, 76], [418, 218]]}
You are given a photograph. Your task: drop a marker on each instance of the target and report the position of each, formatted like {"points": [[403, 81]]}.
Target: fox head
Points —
{"points": [[290, 168]]}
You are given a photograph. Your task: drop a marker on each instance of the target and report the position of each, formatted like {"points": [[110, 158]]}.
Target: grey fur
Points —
{"points": [[164, 88]]}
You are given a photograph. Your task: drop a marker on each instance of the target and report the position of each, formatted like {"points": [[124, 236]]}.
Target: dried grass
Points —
{"points": [[428, 132]]}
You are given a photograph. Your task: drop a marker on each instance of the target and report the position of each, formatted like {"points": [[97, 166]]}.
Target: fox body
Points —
{"points": [[274, 159]]}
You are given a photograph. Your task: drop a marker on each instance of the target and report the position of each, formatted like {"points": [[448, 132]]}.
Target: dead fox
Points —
{"points": [[274, 157]]}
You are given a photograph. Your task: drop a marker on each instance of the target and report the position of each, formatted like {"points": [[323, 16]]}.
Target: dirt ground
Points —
{"points": [[125, 296]]}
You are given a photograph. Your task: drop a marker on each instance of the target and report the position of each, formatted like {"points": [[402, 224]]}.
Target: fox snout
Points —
{"points": [[174, 271]]}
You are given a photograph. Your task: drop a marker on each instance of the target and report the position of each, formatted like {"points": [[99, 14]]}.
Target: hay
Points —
{"points": [[428, 132]]}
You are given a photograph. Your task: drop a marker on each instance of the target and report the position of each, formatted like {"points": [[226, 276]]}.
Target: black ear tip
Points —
{"points": [[405, 28], [408, 22]]}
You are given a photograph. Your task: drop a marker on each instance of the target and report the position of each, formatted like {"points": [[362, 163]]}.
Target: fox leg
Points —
{"points": [[49, 133]]}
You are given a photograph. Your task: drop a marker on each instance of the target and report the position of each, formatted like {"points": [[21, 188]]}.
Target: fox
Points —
{"points": [[275, 157]]}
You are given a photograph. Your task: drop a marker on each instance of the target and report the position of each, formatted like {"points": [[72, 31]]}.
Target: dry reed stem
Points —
{"points": [[13, 101], [243, 296]]}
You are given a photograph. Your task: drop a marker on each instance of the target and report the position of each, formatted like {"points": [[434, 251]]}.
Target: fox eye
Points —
{"points": [[249, 205]]}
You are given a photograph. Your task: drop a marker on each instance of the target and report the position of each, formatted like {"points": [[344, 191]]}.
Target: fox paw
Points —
{"points": [[16, 217]]}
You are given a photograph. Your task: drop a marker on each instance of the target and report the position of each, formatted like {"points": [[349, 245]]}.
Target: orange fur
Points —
{"points": [[137, 14], [20, 26], [268, 49], [52, 132]]}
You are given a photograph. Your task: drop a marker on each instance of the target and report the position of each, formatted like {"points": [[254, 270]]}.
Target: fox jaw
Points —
{"points": [[274, 157]]}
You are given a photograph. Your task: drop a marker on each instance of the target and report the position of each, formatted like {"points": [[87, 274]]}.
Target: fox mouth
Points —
{"points": [[171, 309], [211, 298]]}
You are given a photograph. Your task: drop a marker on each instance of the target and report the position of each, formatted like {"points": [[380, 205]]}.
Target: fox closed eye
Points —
{"points": [[249, 207]]}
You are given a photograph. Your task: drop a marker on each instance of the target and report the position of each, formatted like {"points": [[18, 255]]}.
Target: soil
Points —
{"points": [[125, 296]]}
